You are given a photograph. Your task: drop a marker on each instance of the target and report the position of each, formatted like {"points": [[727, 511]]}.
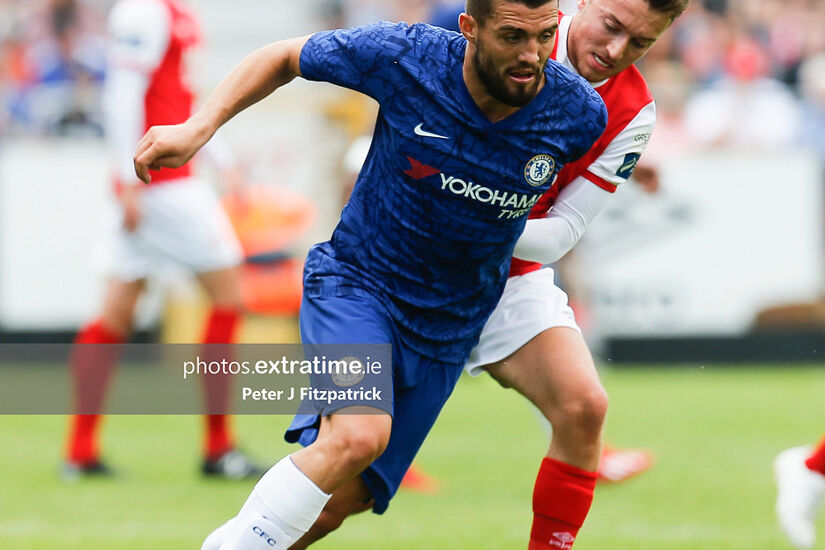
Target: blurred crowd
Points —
{"points": [[51, 66], [746, 73]]}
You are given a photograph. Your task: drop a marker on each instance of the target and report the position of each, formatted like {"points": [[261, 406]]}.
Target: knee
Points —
{"points": [[231, 304], [360, 447], [584, 411], [365, 447]]}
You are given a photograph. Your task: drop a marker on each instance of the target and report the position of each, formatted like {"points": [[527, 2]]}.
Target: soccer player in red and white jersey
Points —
{"points": [[531, 342], [800, 481], [176, 219]]}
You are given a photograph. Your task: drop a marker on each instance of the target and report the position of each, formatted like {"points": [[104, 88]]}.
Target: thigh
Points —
{"points": [[554, 366], [415, 411], [223, 287], [344, 320], [531, 303], [119, 304], [338, 320]]}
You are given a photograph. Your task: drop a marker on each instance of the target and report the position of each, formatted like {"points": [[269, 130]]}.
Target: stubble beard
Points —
{"points": [[495, 84]]}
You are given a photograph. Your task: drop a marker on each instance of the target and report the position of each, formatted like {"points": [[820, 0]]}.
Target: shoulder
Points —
{"points": [[420, 37], [579, 100], [387, 33], [627, 90], [629, 101], [138, 15], [139, 32], [575, 108], [416, 47], [570, 86]]}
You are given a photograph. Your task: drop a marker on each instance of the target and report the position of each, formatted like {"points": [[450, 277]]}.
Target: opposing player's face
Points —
{"points": [[511, 49], [607, 36]]}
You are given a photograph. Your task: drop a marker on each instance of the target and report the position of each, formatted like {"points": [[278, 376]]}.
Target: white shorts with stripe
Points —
{"points": [[531, 304], [182, 225]]}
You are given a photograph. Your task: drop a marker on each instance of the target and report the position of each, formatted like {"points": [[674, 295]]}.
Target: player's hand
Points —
{"points": [[167, 147], [130, 200]]}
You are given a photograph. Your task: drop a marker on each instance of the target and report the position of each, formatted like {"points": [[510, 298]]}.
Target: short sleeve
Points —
{"points": [[616, 164], [361, 58], [139, 33]]}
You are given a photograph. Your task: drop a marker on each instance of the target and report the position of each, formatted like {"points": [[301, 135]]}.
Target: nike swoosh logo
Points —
{"points": [[423, 133]]}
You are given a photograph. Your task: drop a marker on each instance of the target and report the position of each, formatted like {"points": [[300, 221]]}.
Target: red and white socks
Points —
{"points": [[561, 499], [91, 367], [220, 329]]}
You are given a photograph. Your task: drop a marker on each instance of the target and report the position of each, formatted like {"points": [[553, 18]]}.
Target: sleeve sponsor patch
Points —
{"points": [[629, 164]]}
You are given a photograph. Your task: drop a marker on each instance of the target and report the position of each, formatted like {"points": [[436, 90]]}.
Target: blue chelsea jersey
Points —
{"points": [[444, 193]]}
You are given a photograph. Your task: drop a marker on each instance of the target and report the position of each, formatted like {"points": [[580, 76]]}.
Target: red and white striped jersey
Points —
{"points": [[631, 114], [147, 82]]}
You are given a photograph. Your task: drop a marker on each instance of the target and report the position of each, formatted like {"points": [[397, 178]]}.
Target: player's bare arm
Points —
{"points": [[258, 75]]}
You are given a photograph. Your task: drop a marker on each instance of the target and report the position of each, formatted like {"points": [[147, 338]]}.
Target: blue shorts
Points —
{"points": [[359, 319]]}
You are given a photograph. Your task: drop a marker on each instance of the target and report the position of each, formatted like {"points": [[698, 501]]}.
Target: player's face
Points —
{"points": [[607, 36], [512, 48]]}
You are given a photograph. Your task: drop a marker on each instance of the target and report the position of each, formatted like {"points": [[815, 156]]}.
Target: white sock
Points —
{"points": [[282, 507], [216, 537]]}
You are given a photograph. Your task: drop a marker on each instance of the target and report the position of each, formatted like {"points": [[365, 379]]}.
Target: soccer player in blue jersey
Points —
{"points": [[473, 128]]}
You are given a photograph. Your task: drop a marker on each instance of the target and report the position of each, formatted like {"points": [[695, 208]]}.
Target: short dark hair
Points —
{"points": [[674, 8], [481, 10]]}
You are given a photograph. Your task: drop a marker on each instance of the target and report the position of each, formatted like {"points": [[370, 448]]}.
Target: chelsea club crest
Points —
{"points": [[539, 169]]}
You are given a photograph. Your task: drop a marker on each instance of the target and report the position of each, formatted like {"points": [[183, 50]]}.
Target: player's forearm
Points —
{"points": [[254, 78], [546, 240]]}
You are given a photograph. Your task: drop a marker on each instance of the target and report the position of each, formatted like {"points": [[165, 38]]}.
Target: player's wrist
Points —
{"points": [[203, 126]]}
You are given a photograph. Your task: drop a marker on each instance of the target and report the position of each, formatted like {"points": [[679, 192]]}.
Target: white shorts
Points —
{"points": [[531, 304], [182, 224]]}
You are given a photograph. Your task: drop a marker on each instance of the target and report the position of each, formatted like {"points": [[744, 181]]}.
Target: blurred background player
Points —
{"points": [[531, 342], [177, 218], [800, 480]]}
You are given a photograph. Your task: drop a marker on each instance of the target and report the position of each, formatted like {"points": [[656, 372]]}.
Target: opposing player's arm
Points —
{"points": [[547, 239], [258, 75], [618, 161]]}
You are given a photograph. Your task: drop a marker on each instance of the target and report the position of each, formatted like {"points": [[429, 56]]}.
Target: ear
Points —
{"points": [[468, 27]]}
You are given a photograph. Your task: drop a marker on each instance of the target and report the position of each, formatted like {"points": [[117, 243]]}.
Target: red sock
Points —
{"points": [[220, 329], [816, 462], [561, 500], [91, 367]]}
